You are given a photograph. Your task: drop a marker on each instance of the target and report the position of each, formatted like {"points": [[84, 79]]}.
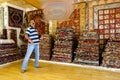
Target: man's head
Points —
{"points": [[32, 23]]}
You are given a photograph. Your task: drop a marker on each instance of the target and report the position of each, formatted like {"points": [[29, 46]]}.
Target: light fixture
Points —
{"points": [[57, 9]]}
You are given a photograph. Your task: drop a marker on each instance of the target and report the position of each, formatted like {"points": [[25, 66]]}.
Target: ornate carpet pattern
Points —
{"points": [[77, 20], [37, 15], [15, 17], [97, 8]]}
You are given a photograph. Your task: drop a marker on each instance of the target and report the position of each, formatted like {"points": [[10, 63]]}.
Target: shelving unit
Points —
{"points": [[63, 45]]}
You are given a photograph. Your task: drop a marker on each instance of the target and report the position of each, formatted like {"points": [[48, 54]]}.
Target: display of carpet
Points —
{"points": [[111, 56], [63, 45], [9, 51], [87, 51], [45, 46]]}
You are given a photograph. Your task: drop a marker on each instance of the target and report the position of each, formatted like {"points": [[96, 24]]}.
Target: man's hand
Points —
{"points": [[31, 42], [26, 36]]}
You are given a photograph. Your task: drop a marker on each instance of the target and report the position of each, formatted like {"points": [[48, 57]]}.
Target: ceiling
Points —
{"points": [[31, 3], [24, 3]]}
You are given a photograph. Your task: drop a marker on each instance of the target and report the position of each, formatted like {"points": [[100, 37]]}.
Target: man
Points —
{"points": [[33, 44]]}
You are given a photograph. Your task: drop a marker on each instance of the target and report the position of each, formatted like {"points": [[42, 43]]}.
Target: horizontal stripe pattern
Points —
{"points": [[33, 34]]}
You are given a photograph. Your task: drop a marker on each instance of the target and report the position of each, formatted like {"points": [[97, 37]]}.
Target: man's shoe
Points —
{"points": [[37, 67], [23, 71]]}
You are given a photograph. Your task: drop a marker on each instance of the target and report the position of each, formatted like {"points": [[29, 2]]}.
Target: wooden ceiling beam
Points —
{"points": [[34, 3], [1, 1]]}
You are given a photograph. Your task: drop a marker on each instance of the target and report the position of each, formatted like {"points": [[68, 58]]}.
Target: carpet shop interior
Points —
{"points": [[82, 33]]}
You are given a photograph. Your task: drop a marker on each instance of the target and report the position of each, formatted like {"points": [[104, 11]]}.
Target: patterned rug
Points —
{"points": [[15, 17]]}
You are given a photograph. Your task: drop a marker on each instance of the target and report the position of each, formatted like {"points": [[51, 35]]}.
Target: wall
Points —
{"points": [[52, 26], [1, 20]]}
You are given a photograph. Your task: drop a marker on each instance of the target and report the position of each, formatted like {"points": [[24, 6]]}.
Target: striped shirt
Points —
{"points": [[33, 34]]}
